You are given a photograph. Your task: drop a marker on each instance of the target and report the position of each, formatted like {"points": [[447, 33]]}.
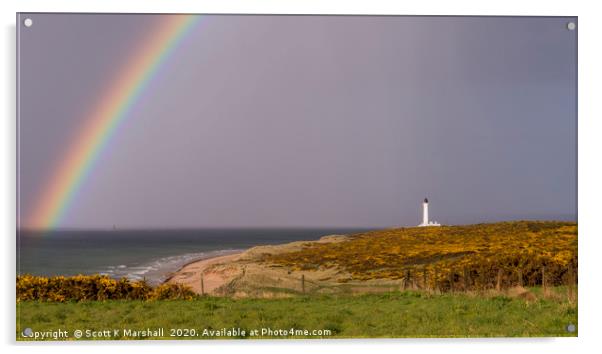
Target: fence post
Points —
{"points": [[520, 277], [202, 285], [424, 278], [451, 279], [543, 278], [571, 284], [498, 285], [465, 276], [483, 279], [435, 281], [303, 283]]}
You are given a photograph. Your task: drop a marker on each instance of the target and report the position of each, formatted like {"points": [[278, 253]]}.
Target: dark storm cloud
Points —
{"points": [[311, 121]]}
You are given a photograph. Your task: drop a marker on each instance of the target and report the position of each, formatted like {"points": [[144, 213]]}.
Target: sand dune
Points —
{"points": [[215, 273], [243, 274]]}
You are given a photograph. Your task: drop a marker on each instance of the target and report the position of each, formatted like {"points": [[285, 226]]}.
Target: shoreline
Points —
{"points": [[244, 274], [201, 278], [200, 260]]}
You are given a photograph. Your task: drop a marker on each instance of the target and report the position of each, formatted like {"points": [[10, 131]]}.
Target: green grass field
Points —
{"points": [[395, 314]]}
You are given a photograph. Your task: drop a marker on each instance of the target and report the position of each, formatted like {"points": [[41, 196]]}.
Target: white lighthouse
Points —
{"points": [[425, 215]]}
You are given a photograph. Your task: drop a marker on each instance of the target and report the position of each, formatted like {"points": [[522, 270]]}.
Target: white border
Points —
{"points": [[590, 115]]}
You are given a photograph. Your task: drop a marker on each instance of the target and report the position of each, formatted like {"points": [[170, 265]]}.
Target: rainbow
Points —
{"points": [[107, 115]]}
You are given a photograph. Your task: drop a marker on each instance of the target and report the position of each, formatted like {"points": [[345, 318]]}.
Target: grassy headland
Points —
{"points": [[448, 258], [469, 256]]}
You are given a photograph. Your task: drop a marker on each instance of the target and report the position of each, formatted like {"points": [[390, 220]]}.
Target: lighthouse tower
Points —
{"points": [[425, 215]]}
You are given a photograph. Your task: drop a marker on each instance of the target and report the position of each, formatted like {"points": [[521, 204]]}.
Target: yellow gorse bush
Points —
{"points": [[95, 287], [449, 254], [172, 291]]}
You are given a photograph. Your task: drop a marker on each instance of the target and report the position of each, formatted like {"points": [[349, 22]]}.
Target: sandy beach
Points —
{"points": [[244, 274], [213, 277]]}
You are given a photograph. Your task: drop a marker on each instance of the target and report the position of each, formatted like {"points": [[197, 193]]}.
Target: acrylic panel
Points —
{"points": [[199, 176]]}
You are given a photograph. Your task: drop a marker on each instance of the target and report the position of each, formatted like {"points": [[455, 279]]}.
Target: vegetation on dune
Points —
{"points": [[95, 287], [463, 257]]}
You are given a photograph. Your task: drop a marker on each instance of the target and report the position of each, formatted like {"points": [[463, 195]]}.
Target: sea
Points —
{"points": [[151, 255]]}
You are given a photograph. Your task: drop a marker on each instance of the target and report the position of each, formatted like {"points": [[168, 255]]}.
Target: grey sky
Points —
{"points": [[269, 121]]}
